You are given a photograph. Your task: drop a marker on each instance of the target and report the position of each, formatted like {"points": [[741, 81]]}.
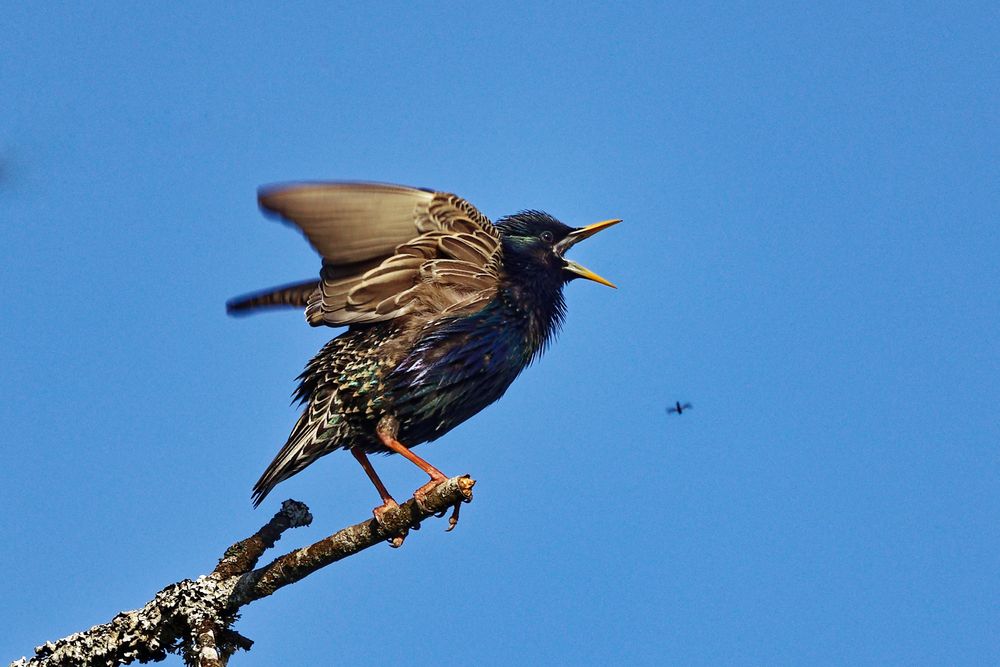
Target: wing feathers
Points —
{"points": [[348, 222], [393, 276], [389, 249]]}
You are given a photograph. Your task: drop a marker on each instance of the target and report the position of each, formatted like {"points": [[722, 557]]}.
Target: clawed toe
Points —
{"points": [[384, 509], [420, 495], [453, 519], [381, 514]]}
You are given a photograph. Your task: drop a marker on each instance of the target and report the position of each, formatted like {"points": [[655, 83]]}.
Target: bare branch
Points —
{"points": [[294, 566], [243, 556], [193, 617]]}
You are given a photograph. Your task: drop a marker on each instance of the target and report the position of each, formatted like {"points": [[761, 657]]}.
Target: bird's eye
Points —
{"points": [[547, 236]]}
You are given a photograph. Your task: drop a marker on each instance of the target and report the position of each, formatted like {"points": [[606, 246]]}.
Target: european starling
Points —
{"points": [[444, 309]]}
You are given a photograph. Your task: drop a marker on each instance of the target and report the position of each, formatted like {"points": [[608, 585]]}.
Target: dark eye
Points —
{"points": [[547, 236]]}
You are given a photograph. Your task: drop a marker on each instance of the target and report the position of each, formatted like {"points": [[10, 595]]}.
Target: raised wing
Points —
{"points": [[390, 250]]}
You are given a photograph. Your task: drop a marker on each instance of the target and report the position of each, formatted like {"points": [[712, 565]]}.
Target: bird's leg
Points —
{"points": [[386, 430], [388, 503]]}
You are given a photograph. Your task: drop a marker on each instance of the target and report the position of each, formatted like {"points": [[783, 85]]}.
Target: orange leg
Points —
{"points": [[362, 458], [387, 429], [388, 504]]}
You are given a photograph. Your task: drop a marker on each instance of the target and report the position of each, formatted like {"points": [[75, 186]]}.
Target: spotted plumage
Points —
{"points": [[444, 310]]}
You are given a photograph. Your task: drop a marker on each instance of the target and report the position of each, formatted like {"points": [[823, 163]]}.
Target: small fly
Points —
{"points": [[678, 408]]}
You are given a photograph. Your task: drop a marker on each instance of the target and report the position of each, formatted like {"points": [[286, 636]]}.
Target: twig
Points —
{"points": [[193, 617]]}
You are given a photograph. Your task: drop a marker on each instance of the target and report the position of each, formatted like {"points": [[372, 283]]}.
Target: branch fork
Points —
{"points": [[193, 617]]}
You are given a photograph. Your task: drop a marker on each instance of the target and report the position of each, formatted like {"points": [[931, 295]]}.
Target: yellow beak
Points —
{"points": [[584, 272], [578, 235], [581, 233]]}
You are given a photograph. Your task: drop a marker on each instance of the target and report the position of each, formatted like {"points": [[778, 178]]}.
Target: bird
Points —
{"points": [[678, 409], [443, 310]]}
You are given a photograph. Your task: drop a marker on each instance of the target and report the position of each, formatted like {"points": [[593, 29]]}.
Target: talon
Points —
{"points": [[420, 495], [382, 510], [453, 519], [381, 515], [422, 503]]}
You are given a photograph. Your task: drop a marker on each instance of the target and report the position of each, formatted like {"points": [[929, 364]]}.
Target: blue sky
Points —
{"points": [[809, 256]]}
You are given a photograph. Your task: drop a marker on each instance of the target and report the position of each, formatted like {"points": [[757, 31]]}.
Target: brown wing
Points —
{"points": [[389, 250]]}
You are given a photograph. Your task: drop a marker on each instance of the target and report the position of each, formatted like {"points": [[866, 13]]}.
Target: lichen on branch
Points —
{"points": [[193, 618]]}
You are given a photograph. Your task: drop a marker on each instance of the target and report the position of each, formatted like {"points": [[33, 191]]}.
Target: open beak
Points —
{"points": [[584, 272], [581, 233], [575, 237]]}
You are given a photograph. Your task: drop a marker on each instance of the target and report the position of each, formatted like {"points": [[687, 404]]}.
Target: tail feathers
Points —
{"points": [[303, 447], [295, 295]]}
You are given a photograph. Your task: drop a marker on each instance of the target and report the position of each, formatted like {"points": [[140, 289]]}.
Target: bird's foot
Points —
{"points": [[385, 508], [453, 519], [420, 495], [382, 513], [466, 484]]}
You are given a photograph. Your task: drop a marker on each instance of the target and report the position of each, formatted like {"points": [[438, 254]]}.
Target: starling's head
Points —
{"points": [[538, 241]]}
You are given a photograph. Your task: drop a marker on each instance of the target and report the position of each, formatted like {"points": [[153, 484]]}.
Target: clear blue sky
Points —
{"points": [[809, 255]]}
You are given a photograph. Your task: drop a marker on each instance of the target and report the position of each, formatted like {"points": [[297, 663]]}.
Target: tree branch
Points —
{"points": [[192, 618]]}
